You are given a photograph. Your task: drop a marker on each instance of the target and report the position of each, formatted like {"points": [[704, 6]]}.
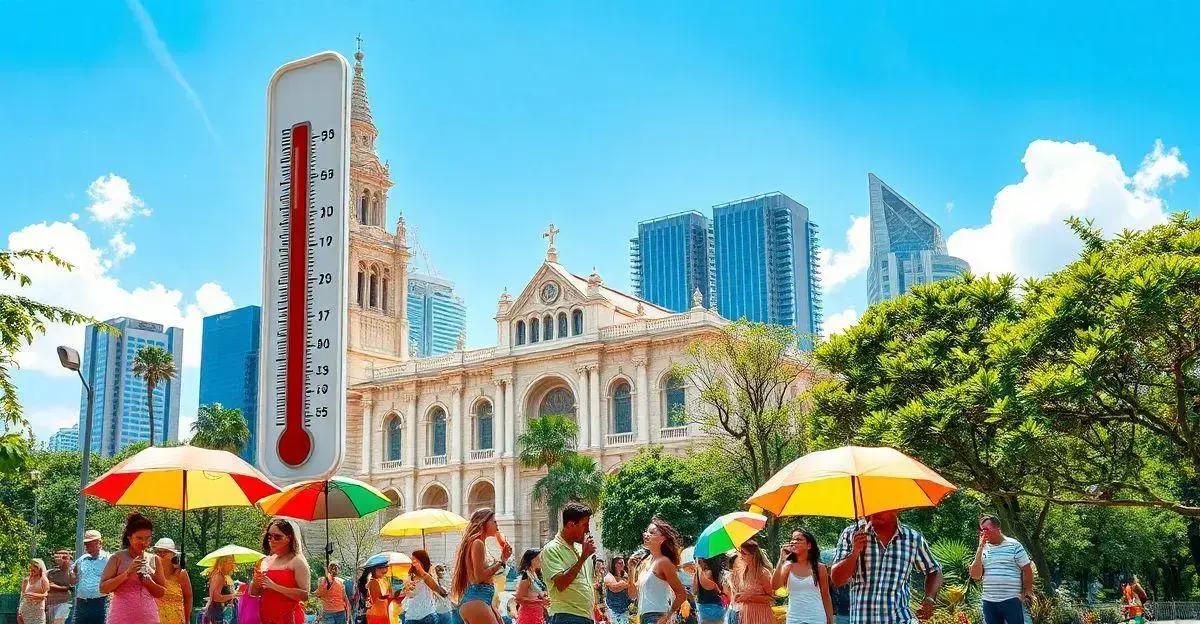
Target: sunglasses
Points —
{"points": [[275, 537]]}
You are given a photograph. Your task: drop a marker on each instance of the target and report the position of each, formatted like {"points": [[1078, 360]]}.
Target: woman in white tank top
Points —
{"points": [[807, 580], [656, 585]]}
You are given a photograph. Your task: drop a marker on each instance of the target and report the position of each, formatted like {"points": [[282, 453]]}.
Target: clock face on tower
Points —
{"points": [[549, 293]]}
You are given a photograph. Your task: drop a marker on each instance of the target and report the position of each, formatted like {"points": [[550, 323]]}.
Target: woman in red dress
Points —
{"points": [[282, 578]]}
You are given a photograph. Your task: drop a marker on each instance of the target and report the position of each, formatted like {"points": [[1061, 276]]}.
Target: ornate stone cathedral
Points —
{"points": [[441, 431]]}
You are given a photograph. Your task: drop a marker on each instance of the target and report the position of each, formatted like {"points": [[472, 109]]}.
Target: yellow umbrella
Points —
{"points": [[851, 482], [423, 521], [240, 554]]}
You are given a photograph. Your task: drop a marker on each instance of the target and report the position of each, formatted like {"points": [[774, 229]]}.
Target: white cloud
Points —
{"points": [[1026, 234], [949, 206], [840, 321], [120, 247], [74, 216], [838, 267], [92, 290], [162, 55], [49, 419], [113, 200]]}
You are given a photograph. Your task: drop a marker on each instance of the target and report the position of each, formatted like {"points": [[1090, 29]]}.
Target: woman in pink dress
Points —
{"points": [[131, 577], [282, 578]]}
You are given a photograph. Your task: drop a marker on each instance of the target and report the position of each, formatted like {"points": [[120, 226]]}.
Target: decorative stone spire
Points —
{"points": [[505, 302], [594, 282], [360, 109], [401, 230], [551, 252], [697, 300], [462, 341]]}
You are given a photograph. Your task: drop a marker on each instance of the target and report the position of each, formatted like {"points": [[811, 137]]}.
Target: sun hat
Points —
{"points": [[166, 543], [90, 535]]}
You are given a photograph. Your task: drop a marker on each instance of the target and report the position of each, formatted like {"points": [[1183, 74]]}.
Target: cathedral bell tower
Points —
{"points": [[378, 267]]}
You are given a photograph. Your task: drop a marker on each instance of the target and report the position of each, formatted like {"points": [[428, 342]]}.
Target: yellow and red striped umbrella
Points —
{"points": [[184, 478]]}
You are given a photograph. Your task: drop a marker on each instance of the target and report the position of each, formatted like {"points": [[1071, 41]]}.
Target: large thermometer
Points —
{"points": [[302, 383]]}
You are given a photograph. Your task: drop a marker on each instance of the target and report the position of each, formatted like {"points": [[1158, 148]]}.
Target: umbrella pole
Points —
{"points": [[183, 530], [423, 546], [328, 546], [854, 496]]}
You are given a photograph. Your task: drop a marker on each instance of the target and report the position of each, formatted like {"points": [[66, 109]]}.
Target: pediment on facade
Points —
{"points": [[556, 280]]}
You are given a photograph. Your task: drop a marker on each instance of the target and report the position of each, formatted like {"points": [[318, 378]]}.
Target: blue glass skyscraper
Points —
{"points": [[671, 258], [907, 247], [229, 366], [767, 268], [119, 413], [436, 316], [65, 439]]}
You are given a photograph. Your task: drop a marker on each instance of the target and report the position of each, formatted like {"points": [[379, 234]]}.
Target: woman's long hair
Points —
{"points": [[671, 539], [41, 567], [714, 566], [814, 556], [364, 598], [284, 527], [422, 557], [612, 567], [756, 561], [474, 531], [134, 522]]}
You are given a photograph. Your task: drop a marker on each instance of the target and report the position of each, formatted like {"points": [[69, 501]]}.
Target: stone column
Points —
{"points": [[410, 428], [498, 436], [454, 448], [581, 406], [368, 424], [410, 491], [643, 401], [594, 406], [498, 488], [456, 493], [510, 414], [510, 487]]}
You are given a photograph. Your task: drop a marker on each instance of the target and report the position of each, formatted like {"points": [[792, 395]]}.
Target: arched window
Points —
{"points": [[385, 291], [533, 330], [376, 218], [361, 284], [676, 412], [576, 322], [483, 426], [622, 409], [562, 324], [374, 290], [362, 207], [520, 332], [437, 433], [557, 401], [393, 439], [548, 327], [435, 498]]}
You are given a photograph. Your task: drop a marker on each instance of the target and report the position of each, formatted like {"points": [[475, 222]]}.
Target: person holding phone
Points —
{"points": [[566, 560], [876, 559], [420, 607], [708, 587], [807, 580], [655, 580], [130, 576]]}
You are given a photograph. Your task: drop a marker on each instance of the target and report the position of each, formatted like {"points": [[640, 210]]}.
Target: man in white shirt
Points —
{"points": [[90, 604], [1006, 572]]}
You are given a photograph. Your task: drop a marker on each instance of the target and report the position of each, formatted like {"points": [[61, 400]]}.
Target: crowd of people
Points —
{"points": [[563, 582]]}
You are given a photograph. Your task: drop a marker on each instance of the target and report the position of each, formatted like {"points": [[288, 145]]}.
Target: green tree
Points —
{"points": [[21, 321], [546, 442], [748, 375], [915, 374], [650, 484], [575, 478], [155, 366]]}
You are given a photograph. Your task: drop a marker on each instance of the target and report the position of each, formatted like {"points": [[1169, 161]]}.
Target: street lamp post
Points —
{"points": [[33, 543], [69, 358]]}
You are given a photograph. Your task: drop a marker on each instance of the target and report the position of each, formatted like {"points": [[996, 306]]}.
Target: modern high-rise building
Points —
{"points": [[229, 366], [65, 439], [119, 414], [437, 317], [671, 258], [907, 247], [767, 269]]}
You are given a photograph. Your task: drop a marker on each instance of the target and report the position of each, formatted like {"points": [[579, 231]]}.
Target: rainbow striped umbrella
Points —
{"points": [[336, 497], [727, 533]]}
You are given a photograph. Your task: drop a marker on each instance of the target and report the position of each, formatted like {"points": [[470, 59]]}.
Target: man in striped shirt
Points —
{"points": [[1003, 566], [876, 560]]}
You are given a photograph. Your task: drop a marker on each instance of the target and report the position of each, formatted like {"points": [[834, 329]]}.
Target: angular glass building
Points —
{"points": [[766, 262], [65, 439], [436, 316], [229, 367], [671, 258], [119, 413], [907, 247]]}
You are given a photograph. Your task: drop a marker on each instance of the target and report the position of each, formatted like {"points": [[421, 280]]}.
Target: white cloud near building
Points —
{"points": [[1026, 234], [839, 267], [113, 201], [839, 321]]}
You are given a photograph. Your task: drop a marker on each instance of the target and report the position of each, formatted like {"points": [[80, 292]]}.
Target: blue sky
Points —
{"points": [[500, 117]]}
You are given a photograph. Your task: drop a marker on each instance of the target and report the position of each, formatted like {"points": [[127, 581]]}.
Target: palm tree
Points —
{"points": [[21, 321], [224, 430], [575, 478], [217, 427], [154, 365], [547, 442]]}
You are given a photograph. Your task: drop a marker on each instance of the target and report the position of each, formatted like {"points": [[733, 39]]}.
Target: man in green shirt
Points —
{"points": [[566, 561]]}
